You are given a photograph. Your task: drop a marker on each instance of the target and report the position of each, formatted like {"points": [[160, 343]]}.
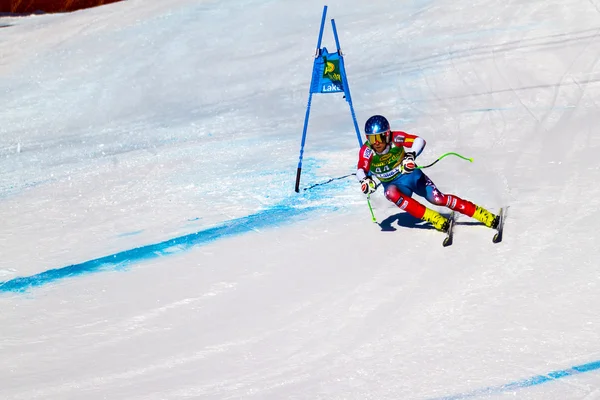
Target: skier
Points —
{"points": [[384, 156]]}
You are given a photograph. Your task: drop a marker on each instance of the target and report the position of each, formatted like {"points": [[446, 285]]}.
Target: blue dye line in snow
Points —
{"points": [[533, 381], [267, 218]]}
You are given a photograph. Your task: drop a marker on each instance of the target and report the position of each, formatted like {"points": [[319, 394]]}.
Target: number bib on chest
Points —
{"points": [[387, 166]]}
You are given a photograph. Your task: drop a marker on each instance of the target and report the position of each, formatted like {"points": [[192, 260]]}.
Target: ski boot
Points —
{"points": [[436, 219], [487, 218]]}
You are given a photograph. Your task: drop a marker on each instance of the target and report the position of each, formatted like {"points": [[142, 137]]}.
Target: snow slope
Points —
{"points": [[152, 246]]}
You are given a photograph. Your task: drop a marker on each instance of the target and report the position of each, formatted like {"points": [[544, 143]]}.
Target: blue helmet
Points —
{"points": [[377, 124]]}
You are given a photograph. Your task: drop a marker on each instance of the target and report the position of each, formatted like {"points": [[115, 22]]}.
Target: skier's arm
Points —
{"points": [[413, 142], [364, 162]]}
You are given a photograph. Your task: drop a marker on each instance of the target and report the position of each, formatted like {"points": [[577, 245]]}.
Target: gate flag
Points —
{"points": [[327, 67], [328, 76]]}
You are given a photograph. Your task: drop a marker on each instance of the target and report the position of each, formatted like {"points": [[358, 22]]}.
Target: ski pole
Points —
{"points": [[445, 155], [371, 208]]}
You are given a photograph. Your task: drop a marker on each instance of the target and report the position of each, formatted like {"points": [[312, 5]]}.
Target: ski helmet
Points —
{"points": [[378, 127]]}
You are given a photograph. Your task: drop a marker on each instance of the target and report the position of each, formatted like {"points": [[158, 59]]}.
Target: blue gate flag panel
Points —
{"points": [[327, 73]]}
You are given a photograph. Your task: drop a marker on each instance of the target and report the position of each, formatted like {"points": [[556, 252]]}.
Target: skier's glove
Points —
{"points": [[408, 163], [368, 185]]}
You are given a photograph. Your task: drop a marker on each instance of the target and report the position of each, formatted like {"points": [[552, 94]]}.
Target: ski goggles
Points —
{"points": [[378, 137]]}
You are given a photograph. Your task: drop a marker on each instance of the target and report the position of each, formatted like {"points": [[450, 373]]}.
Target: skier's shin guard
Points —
{"points": [[455, 203], [405, 202]]}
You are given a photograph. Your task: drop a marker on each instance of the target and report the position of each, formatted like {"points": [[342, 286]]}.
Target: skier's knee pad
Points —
{"points": [[393, 194], [438, 198]]}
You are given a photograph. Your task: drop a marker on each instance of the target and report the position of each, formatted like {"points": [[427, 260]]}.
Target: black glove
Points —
{"points": [[408, 163], [368, 185]]}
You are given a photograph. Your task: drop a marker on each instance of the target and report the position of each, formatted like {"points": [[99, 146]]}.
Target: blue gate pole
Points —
{"points": [[345, 83], [310, 93]]}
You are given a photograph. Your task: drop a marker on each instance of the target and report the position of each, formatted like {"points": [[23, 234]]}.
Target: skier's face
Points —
{"points": [[378, 141]]}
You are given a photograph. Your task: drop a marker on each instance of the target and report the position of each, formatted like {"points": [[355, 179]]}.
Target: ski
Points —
{"points": [[450, 232], [500, 228]]}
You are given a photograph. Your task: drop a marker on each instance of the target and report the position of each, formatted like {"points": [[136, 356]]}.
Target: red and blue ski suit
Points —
{"points": [[398, 185]]}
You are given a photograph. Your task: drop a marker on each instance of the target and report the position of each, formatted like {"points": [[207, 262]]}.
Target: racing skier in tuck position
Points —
{"points": [[384, 156]]}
